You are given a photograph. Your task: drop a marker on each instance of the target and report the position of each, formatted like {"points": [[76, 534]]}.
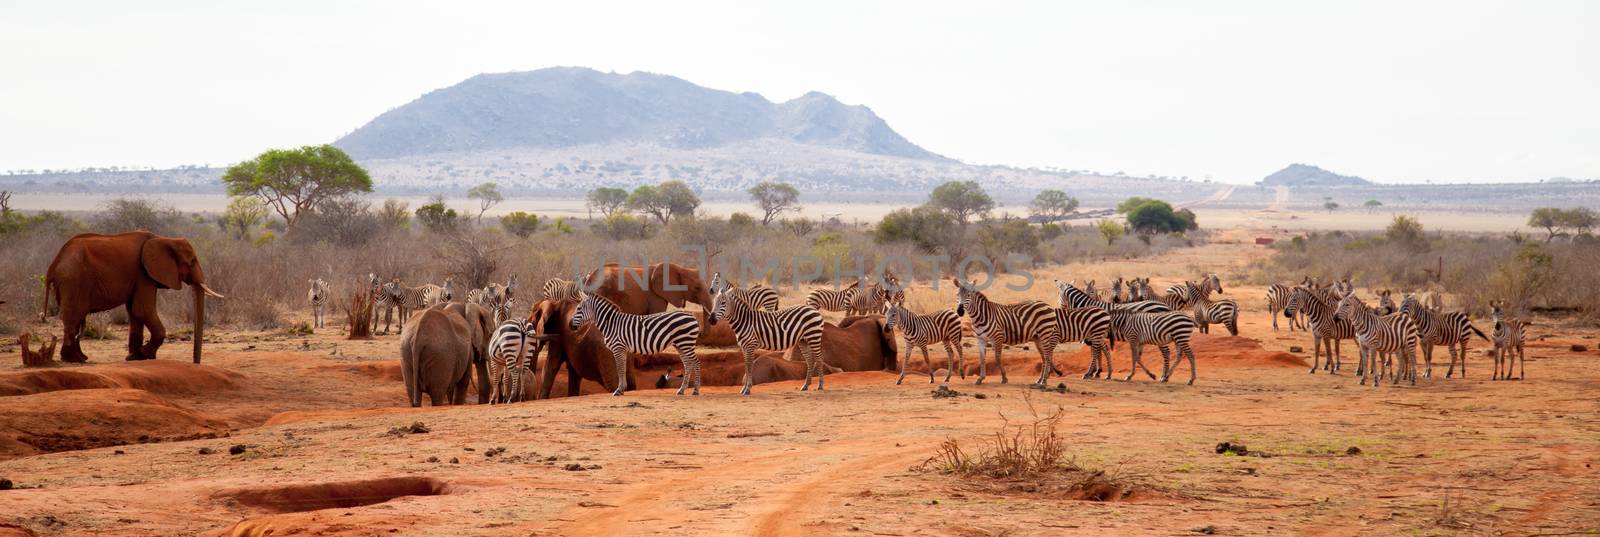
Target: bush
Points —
{"points": [[741, 220], [129, 214], [344, 221], [1004, 238], [622, 226], [521, 224], [1407, 231], [437, 217], [928, 228], [799, 226], [1156, 216]]}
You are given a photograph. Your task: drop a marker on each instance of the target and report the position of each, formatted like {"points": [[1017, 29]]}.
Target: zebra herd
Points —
{"points": [[1388, 337]]}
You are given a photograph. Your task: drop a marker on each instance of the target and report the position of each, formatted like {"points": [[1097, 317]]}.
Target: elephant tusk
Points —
{"points": [[209, 292]]}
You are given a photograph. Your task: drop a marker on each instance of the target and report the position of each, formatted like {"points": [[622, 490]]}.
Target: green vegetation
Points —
{"points": [[488, 195], [961, 200], [436, 216], [1053, 205], [1563, 222], [295, 181], [668, 200], [607, 200], [929, 228], [521, 224], [1149, 217], [774, 199]]}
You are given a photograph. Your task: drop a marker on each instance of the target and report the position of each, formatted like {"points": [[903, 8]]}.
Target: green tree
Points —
{"points": [[1578, 220], [607, 200], [1407, 231], [928, 228], [665, 201], [1053, 205], [1133, 203], [488, 195], [436, 216], [774, 199], [1155, 216], [243, 214], [295, 181], [741, 220], [961, 200], [520, 223], [1010, 236], [1549, 218], [1372, 205], [1110, 230], [1330, 206]]}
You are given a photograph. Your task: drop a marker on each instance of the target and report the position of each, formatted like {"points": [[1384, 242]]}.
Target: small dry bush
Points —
{"points": [[1028, 458]]}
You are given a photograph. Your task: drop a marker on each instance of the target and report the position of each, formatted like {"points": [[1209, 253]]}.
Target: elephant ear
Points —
{"points": [[659, 284], [160, 260]]}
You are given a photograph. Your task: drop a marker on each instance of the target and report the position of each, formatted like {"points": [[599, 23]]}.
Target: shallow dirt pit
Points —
{"points": [[90, 418], [159, 376], [344, 494]]}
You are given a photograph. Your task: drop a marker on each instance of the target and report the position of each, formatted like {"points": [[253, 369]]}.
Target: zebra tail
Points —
{"points": [[1475, 330]]}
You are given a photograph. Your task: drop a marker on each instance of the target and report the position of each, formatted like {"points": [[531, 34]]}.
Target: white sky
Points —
{"points": [[1389, 90]]}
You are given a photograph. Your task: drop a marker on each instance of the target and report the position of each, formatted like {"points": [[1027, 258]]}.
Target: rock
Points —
{"points": [[1353, 451], [433, 459], [6, 484], [1296, 348], [573, 467], [1229, 447], [1580, 348], [237, 449], [1208, 530], [454, 460]]}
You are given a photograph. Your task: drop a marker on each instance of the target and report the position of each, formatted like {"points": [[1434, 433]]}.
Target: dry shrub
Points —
{"points": [[358, 311], [1029, 458], [45, 356]]}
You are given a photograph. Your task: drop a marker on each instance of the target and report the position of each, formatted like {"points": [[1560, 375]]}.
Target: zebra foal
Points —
{"points": [[1509, 338], [918, 331]]}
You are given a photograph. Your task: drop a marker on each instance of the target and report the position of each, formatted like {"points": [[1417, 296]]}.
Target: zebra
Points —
{"points": [[560, 290], [1092, 326], [762, 297], [378, 292], [1141, 290], [868, 299], [1326, 330], [1071, 295], [1509, 337], [1089, 287], [1008, 324], [626, 332], [1381, 337], [833, 299], [1344, 286], [942, 326], [1278, 301], [319, 296], [502, 310], [1436, 328], [1116, 291], [1159, 329], [508, 358], [1207, 311], [409, 299], [774, 330]]}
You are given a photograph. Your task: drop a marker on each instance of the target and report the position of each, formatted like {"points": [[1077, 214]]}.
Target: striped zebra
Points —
{"points": [[502, 310], [1159, 329], [868, 299], [1207, 311], [509, 357], [1381, 337], [1326, 330], [1072, 296], [1092, 327], [1141, 290], [1278, 302], [410, 299], [319, 295], [560, 290], [918, 331], [1008, 324], [626, 332], [1089, 287], [382, 301], [1436, 328], [1509, 337], [1344, 286], [773, 330], [1116, 291], [762, 297], [833, 299]]}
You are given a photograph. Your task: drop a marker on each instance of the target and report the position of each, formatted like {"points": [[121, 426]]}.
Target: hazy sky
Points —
{"points": [[1389, 90]]}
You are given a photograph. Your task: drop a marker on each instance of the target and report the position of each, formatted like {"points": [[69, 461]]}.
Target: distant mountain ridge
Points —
{"points": [[571, 106], [1308, 175]]}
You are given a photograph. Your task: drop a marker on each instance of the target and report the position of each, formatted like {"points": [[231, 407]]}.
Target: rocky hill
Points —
{"points": [[574, 106], [1308, 175]]}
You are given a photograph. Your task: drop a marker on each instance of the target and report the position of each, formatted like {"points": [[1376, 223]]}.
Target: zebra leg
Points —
{"points": [[999, 364], [1185, 349], [983, 363], [822, 367], [1463, 358], [926, 362], [691, 363], [1522, 357], [1046, 365], [1452, 371], [1099, 348], [749, 362], [904, 361], [1427, 360], [1094, 364], [620, 359], [1335, 358], [1233, 324], [950, 363], [810, 367], [1166, 362], [1316, 353]]}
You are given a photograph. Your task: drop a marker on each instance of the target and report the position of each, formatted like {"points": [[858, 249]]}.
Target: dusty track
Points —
{"points": [[1512, 457]]}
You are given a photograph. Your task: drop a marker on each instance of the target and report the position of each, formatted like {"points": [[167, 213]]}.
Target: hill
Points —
{"points": [[572, 106], [1308, 175]]}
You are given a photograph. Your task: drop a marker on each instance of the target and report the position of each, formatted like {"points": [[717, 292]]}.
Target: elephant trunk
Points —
{"points": [[199, 319]]}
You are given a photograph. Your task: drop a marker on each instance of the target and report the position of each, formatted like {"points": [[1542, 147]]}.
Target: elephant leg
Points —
{"points": [[72, 331], [152, 322], [482, 369], [458, 391], [135, 335]]}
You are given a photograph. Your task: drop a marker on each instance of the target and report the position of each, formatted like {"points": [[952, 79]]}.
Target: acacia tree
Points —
{"points": [[607, 200], [488, 195], [774, 199], [294, 181], [1110, 230], [243, 214], [1372, 205], [1549, 218], [1053, 205], [668, 200], [961, 200]]}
